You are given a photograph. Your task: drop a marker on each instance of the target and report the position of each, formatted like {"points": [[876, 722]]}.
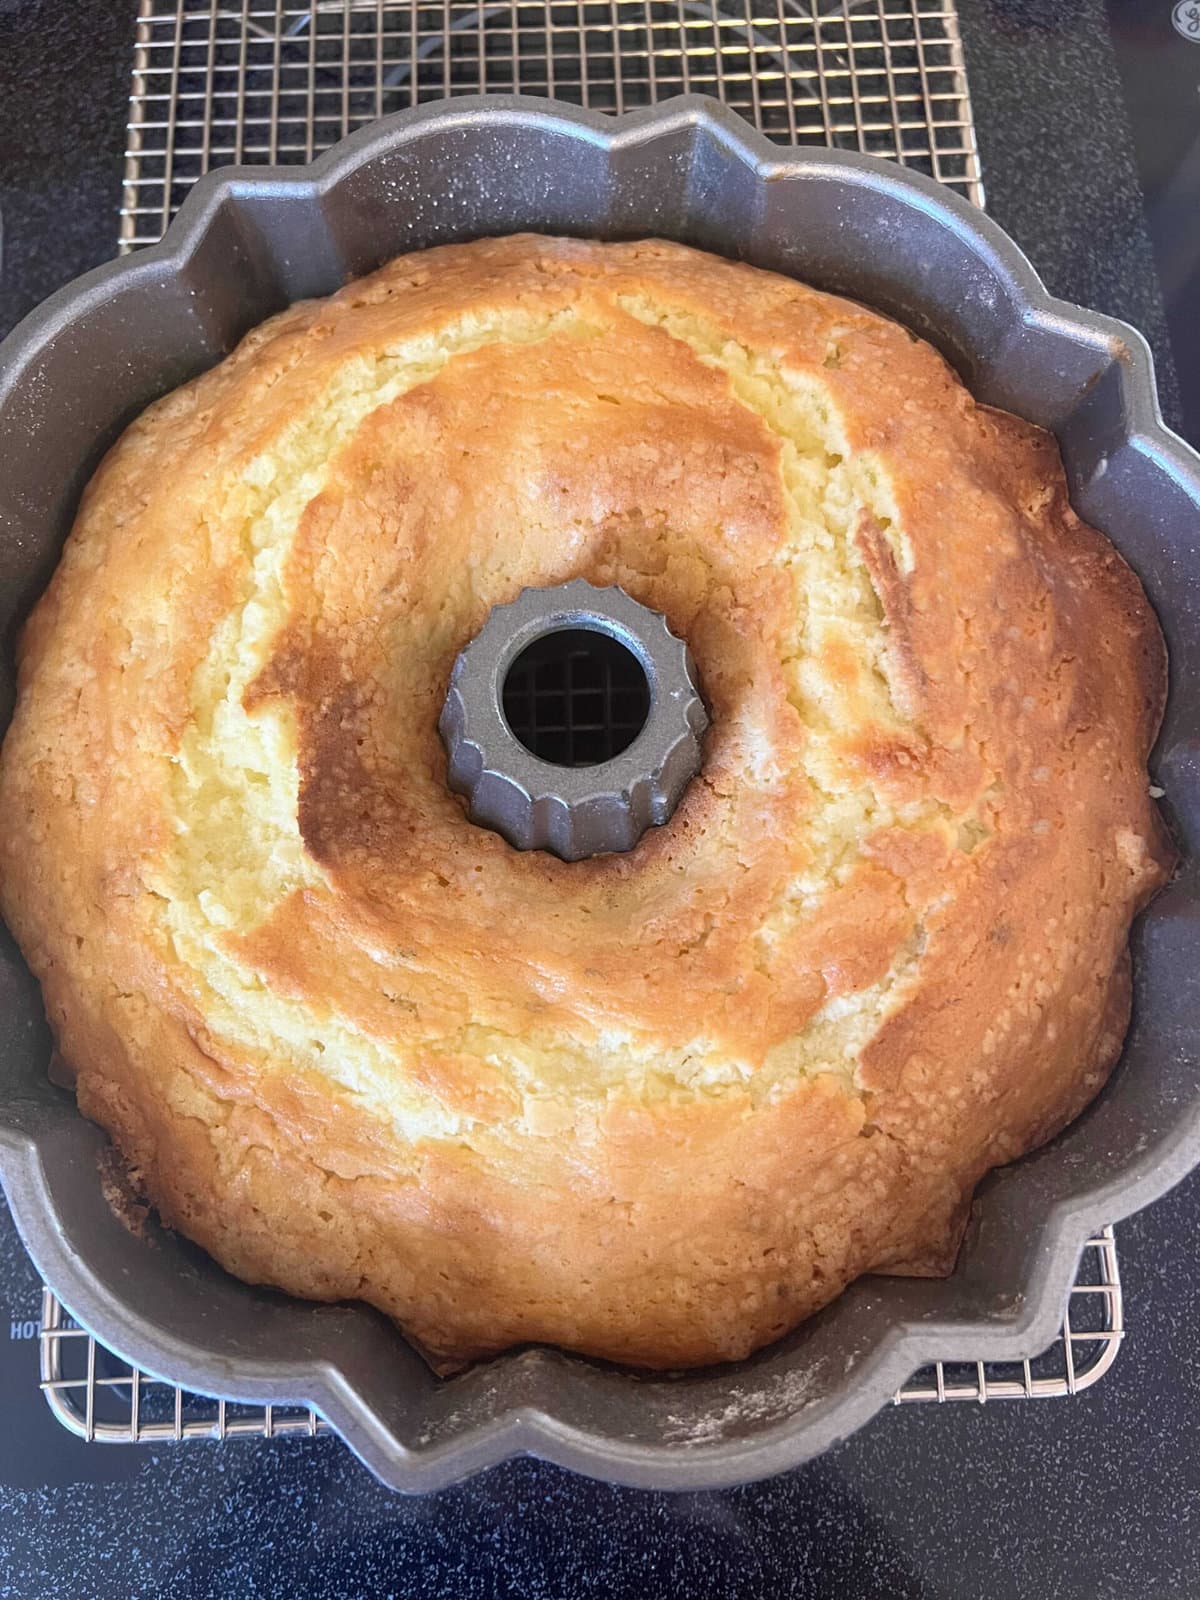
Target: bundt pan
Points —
{"points": [[247, 243]]}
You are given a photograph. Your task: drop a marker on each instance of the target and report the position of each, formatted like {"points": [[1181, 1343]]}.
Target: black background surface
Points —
{"points": [[1096, 1496]]}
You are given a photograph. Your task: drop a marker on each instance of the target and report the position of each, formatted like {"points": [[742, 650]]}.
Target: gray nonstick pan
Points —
{"points": [[248, 242]]}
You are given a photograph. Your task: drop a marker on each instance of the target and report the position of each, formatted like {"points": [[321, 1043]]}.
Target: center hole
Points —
{"points": [[576, 698]]}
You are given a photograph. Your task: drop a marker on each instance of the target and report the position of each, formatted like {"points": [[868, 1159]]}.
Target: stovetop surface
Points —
{"points": [[1088, 118]]}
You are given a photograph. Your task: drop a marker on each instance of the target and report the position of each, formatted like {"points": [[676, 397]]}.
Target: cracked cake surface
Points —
{"points": [[656, 1107]]}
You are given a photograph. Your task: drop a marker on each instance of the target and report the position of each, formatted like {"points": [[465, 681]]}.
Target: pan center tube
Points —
{"points": [[573, 721]]}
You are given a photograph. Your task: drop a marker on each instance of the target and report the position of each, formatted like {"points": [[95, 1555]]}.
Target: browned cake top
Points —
{"points": [[654, 1106]]}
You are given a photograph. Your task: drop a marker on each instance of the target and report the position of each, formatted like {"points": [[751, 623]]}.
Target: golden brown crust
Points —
{"points": [[655, 1107]]}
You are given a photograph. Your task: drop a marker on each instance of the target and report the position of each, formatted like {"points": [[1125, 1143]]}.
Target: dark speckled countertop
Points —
{"points": [[1097, 1496]]}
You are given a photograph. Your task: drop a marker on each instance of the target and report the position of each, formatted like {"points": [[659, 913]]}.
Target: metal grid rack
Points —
{"points": [[576, 698], [252, 81], [99, 1397]]}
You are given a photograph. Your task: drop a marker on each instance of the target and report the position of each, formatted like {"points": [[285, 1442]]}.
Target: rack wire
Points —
{"points": [[102, 1398], [576, 698], [256, 82], [266, 81]]}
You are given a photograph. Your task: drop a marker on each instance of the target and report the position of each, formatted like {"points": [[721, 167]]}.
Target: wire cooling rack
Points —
{"points": [[255, 82], [99, 1397]]}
